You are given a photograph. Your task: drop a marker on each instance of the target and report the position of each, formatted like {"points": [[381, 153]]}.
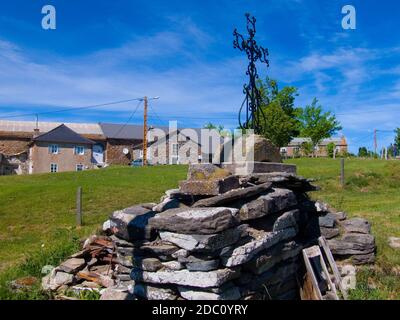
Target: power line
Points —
{"points": [[130, 118], [155, 113], [70, 109]]}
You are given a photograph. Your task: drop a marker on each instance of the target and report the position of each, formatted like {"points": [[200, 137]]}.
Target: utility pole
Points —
{"points": [[375, 142], [145, 132]]}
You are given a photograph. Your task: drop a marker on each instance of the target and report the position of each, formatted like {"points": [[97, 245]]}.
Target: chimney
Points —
{"points": [[36, 132]]}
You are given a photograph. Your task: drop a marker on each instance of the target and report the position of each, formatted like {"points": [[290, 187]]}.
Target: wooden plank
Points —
{"points": [[310, 271], [338, 279], [328, 278]]}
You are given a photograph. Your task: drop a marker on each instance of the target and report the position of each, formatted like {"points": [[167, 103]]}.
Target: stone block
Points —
{"points": [[209, 187], [196, 220], [187, 278]]}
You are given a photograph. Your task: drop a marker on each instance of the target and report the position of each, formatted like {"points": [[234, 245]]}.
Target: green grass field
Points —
{"points": [[37, 213], [372, 191]]}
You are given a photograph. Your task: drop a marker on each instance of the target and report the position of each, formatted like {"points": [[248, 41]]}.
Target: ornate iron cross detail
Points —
{"points": [[255, 118]]}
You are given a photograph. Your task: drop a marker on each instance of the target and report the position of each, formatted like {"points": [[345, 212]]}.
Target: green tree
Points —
{"points": [[331, 149], [307, 148], [397, 137], [219, 128], [278, 107], [363, 152], [316, 124]]}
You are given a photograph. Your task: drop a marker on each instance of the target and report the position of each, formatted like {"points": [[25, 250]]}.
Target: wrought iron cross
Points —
{"points": [[255, 118]]}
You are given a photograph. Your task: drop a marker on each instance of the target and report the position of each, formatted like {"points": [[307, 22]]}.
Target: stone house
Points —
{"points": [[122, 142], [14, 151], [60, 150], [177, 147], [294, 149]]}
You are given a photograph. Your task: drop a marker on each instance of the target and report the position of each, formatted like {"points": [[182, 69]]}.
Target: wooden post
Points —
{"points": [[342, 171], [79, 207], [144, 161]]}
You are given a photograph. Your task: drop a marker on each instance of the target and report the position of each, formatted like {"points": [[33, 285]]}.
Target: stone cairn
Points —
{"points": [[220, 236]]}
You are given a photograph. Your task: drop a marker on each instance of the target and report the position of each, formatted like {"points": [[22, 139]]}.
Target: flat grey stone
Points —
{"points": [[173, 265], [196, 220], [153, 292], [159, 248], [257, 241], [115, 294], [356, 225], [148, 264], [281, 180], [203, 265], [132, 223], [209, 242], [329, 233], [191, 294], [209, 187], [187, 278], [119, 268], [278, 200], [359, 259], [352, 244], [167, 204], [126, 261], [340, 216], [327, 221], [72, 265], [287, 220], [233, 195], [181, 253], [321, 206], [394, 242], [56, 279], [271, 257]]}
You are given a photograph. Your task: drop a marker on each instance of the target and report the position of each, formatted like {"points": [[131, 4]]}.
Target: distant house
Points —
{"points": [[59, 150], [294, 148], [122, 142], [30, 147], [14, 151]]}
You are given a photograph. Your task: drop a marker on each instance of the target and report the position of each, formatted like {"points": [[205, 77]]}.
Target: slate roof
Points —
{"points": [[126, 132], [63, 134], [44, 126], [299, 141]]}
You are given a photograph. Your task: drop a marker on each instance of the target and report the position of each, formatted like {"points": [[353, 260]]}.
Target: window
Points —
{"points": [[175, 149], [79, 167], [53, 148], [80, 150], [53, 167]]}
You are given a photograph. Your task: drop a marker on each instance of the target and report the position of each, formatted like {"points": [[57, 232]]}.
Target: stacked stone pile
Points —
{"points": [[222, 236], [348, 239]]}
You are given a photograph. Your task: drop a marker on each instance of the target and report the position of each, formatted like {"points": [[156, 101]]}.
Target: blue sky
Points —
{"points": [[182, 51]]}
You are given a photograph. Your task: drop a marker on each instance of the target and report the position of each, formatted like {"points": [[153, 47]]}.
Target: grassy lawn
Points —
{"points": [[37, 213], [372, 191]]}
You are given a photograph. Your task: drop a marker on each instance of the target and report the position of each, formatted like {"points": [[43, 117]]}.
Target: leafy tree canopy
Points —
{"points": [[278, 107], [316, 124]]}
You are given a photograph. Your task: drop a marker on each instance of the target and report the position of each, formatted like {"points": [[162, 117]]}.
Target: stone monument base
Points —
{"points": [[247, 167]]}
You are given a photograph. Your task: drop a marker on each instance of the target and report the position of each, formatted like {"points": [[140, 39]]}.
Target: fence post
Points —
{"points": [[342, 171], [79, 207]]}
